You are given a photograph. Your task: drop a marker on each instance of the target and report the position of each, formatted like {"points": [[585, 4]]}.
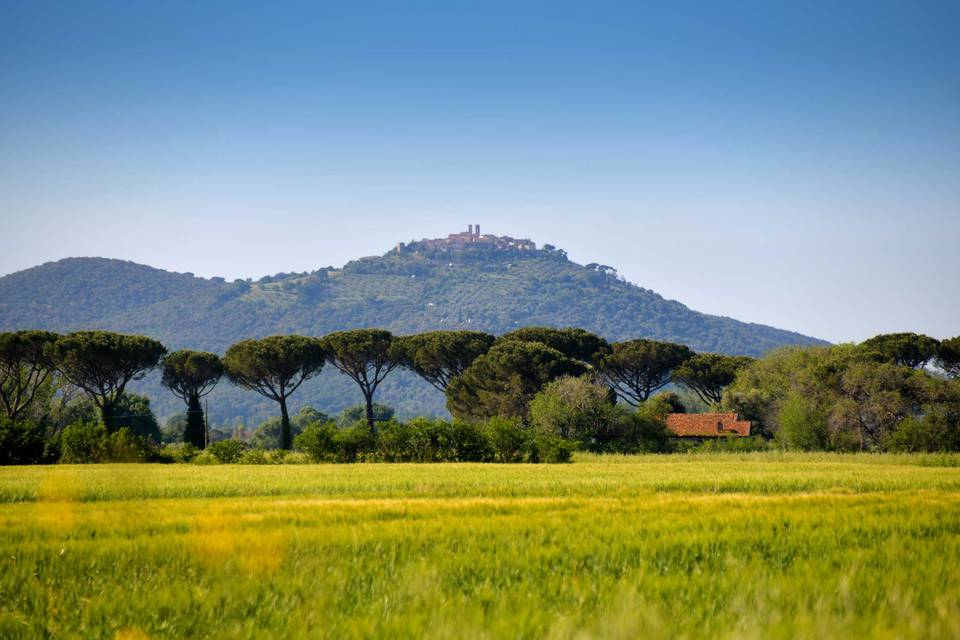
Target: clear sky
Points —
{"points": [[795, 164]]}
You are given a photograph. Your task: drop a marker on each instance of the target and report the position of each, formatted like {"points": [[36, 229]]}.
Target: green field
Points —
{"points": [[754, 545]]}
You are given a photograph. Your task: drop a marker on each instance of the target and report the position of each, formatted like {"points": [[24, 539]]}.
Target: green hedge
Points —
{"points": [[429, 440]]}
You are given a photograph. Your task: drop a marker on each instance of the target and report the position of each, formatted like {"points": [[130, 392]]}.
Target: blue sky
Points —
{"points": [[795, 164]]}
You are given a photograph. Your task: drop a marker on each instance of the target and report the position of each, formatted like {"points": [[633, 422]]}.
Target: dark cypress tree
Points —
{"points": [[195, 432]]}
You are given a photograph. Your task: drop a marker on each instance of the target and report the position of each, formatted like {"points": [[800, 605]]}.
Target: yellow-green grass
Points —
{"points": [[750, 545]]}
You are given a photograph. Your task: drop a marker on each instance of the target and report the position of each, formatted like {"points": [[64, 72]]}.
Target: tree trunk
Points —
{"points": [[106, 415], [286, 440], [369, 399]]}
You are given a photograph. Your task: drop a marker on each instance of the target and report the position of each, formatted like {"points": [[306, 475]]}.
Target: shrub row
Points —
{"points": [[419, 440], [429, 440], [87, 442]]}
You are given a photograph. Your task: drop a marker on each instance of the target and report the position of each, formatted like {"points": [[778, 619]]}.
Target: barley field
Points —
{"points": [[723, 546]]}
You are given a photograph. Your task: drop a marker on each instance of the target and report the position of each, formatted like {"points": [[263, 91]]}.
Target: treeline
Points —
{"points": [[876, 396], [545, 390]]}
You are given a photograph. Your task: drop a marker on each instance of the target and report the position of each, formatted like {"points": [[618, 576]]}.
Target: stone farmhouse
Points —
{"points": [[707, 425]]}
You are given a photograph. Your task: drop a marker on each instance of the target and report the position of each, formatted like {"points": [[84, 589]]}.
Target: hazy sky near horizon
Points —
{"points": [[794, 164]]}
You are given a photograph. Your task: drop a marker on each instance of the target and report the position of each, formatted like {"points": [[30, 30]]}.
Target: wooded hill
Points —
{"points": [[485, 289]]}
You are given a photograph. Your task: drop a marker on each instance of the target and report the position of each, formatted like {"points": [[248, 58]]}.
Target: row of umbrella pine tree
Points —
{"points": [[481, 375]]}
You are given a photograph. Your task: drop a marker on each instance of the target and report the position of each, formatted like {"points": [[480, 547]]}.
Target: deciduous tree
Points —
{"points": [[879, 396], [574, 408], [133, 412], [948, 356], [268, 434]]}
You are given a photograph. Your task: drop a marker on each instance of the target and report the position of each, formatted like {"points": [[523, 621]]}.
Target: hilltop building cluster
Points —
{"points": [[469, 239]]}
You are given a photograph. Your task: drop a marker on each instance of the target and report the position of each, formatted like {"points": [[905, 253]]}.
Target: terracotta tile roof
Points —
{"points": [[707, 425]]}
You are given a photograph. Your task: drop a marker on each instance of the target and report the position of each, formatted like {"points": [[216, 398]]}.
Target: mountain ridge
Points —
{"points": [[412, 288]]}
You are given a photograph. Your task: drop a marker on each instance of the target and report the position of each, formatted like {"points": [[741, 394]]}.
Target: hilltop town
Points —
{"points": [[469, 239]]}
